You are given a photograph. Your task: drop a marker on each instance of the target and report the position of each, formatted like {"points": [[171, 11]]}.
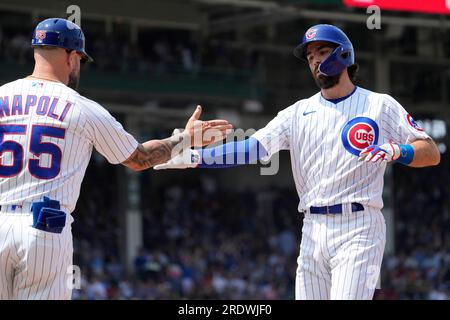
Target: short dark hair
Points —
{"points": [[353, 72], [51, 48], [46, 47]]}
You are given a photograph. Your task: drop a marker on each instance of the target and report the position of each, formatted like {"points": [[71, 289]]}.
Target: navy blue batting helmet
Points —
{"points": [[342, 56], [57, 32]]}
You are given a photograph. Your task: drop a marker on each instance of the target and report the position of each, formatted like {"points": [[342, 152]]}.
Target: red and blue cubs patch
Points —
{"points": [[413, 123], [358, 134], [41, 34], [311, 33]]}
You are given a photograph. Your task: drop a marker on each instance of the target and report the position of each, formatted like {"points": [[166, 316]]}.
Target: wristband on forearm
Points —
{"points": [[406, 154]]}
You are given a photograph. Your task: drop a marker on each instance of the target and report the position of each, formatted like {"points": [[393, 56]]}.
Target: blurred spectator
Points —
{"points": [[19, 48], [206, 242]]}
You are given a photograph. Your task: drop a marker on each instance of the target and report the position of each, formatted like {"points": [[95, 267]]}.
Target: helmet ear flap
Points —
{"points": [[333, 64]]}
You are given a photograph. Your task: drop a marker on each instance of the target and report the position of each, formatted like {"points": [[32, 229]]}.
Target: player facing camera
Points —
{"points": [[340, 141], [329, 54]]}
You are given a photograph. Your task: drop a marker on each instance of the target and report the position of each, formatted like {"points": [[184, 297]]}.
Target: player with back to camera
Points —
{"points": [[47, 133], [340, 141]]}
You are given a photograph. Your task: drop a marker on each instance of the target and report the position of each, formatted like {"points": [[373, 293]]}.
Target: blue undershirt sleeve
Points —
{"points": [[232, 154]]}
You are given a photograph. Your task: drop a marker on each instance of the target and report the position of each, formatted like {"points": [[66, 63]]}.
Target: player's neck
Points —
{"points": [[342, 89], [47, 73]]}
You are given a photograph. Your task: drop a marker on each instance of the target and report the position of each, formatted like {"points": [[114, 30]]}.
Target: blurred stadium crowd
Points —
{"points": [[160, 54], [206, 242], [202, 241], [171, 53], [420, 268]]}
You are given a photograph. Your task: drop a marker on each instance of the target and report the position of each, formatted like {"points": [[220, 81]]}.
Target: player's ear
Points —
{"points": [[72, 57]]}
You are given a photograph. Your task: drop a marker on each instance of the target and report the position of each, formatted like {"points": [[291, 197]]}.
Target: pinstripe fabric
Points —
{"points": [[313, 280], [6, 281], [340, 255], [87, 125], [34, 263], [40, 269], [325, 173], [355, 265]]}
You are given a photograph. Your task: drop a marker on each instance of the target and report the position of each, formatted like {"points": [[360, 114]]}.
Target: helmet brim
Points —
{"points": [[86, 58], [299, 51]]}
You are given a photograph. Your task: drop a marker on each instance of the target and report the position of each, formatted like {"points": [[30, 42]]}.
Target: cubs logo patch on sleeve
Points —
{"points": [[413, 123]]}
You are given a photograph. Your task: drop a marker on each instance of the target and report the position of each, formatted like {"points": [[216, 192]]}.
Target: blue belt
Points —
{"points": [[336, 209]]}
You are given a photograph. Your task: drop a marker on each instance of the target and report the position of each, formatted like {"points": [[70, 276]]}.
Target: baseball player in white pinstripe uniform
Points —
{"points": [[340, 141], [47, 134]]}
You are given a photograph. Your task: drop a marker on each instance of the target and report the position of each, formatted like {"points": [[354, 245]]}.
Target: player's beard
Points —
{"points": [[74, 80], [325, 82]]}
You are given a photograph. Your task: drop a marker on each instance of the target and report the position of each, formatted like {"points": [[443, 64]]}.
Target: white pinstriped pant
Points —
{"points": [[340, 255], [33, 263]]}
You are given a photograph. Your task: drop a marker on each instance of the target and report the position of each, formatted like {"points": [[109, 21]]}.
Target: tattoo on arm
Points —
{"points": [[154, 152]]}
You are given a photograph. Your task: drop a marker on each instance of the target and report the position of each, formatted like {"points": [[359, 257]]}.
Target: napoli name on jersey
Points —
{"points": [[62, 127]]}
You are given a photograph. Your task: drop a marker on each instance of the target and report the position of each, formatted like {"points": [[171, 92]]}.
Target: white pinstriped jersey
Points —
{"points": [[325, 138], [47, 133]]}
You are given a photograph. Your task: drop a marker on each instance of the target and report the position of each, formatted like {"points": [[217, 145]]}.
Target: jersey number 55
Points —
{"points": [[36, 147]]}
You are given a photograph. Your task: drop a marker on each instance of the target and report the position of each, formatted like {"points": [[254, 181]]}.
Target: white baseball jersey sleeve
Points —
{"points": [[47, 134], [276, 135], [399, 126], [325, 138]]}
